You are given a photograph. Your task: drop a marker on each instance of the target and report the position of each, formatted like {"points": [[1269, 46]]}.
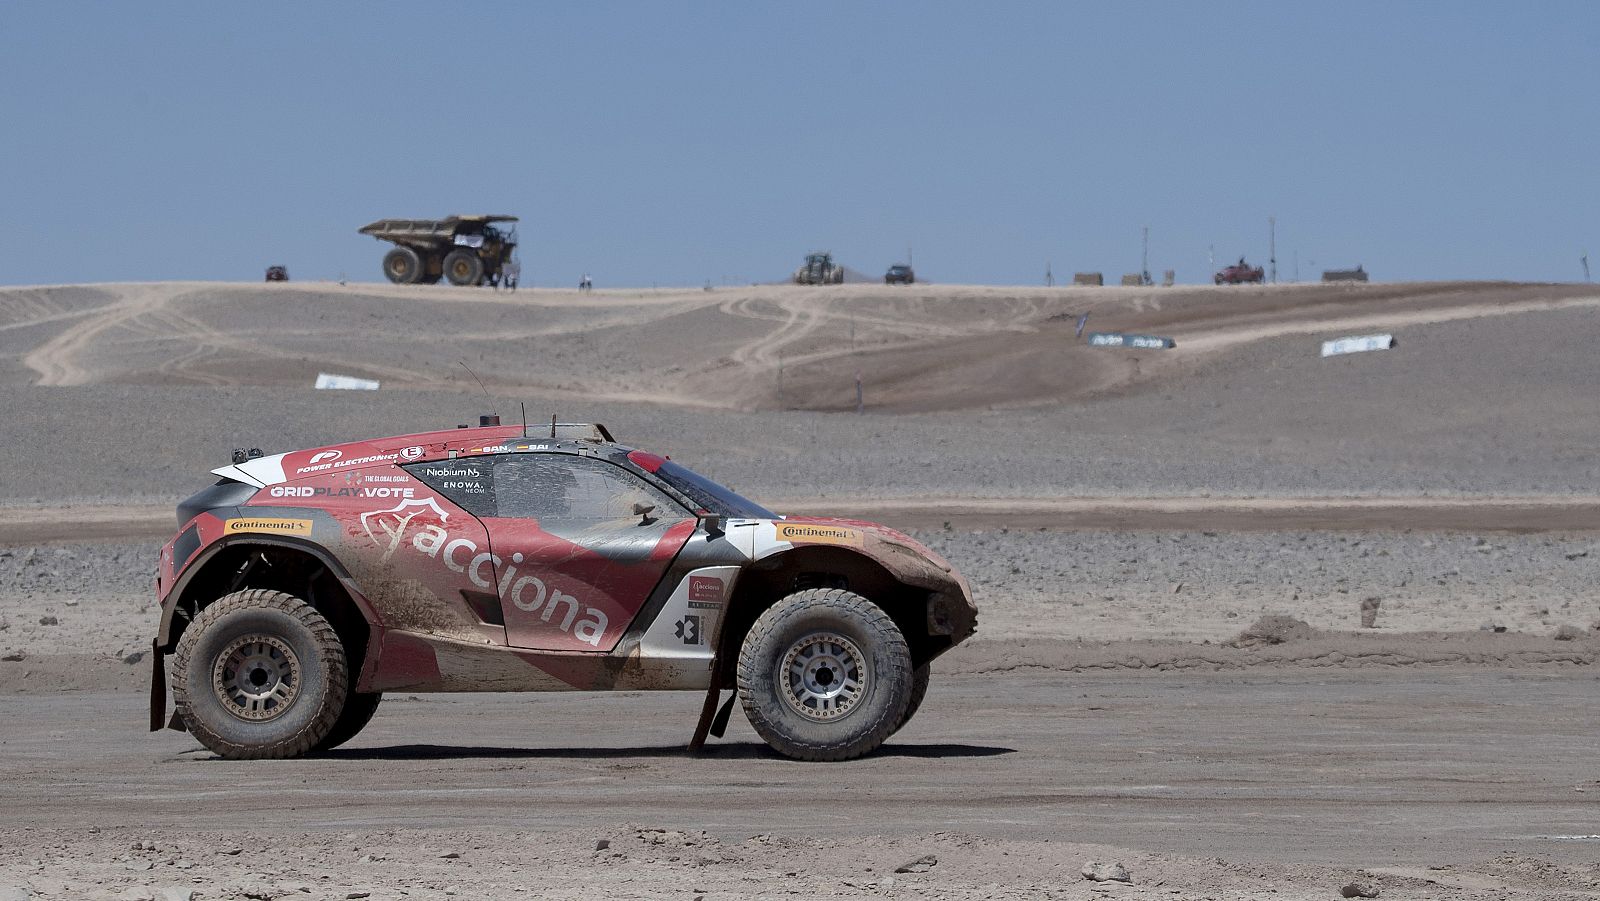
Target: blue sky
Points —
{"points": [[658, 143]]}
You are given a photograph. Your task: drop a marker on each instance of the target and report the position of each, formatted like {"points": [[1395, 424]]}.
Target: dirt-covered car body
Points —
{"points": [[484, 560]]}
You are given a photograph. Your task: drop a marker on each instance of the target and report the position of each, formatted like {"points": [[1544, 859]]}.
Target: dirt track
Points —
{"points": [[1230, 785]]}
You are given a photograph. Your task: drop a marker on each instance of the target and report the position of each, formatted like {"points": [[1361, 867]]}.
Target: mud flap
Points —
{"points": [[719, 726], [708, 710], [158, 687]]}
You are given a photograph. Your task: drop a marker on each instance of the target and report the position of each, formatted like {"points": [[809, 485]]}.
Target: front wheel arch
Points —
{"points": [[764, 584]]}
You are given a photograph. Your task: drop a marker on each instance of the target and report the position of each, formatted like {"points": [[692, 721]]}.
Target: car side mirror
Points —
{"points": [[712, 523], [643, 512]]}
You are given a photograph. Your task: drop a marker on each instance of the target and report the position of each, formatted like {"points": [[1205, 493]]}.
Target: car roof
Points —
{"points": [[420, 447]]}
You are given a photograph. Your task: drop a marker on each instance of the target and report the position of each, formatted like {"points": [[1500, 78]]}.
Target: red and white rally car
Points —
{"points": [[302, 586]]}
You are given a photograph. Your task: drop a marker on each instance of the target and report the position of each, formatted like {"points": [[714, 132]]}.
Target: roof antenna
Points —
{"points": [[480, 387], [524, 407], [552, 425]]}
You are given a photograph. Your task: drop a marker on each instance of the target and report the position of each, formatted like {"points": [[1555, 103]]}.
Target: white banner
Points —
{"points": [[345, 382], [1357, 344]]}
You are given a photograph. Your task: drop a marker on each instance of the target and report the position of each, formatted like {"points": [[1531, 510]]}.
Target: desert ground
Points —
{"points": [[1171, 551]]}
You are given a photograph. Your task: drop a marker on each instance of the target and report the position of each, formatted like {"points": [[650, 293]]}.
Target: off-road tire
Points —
{"points": [[919, 690], [403, 266], [229, 630], [359, 708], [857, 639], [463, 268]]}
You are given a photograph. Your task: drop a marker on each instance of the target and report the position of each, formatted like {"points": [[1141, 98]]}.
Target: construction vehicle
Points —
{"points": [[464, 250], [820, 269], [1357, 274], [1241, 273]]}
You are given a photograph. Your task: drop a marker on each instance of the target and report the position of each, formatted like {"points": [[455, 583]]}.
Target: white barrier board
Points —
{"points": [[1357, 344], [346, 382]]}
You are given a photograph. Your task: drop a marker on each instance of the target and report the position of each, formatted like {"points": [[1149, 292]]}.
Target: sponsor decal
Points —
{"points": [[323, 461], [688, 629], [379, 491], [414, 452], [705, 588], [461, 479], [390, 529], [268, 525], [806, 533]]}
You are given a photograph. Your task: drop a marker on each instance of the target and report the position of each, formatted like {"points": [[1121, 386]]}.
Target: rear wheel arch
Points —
{"points": [[305, 571]]}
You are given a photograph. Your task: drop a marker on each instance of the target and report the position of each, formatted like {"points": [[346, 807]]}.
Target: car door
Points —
{"points": [[428, 533], [579, 544]]}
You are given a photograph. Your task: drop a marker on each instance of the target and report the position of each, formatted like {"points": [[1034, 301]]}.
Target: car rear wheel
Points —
{"points": [[402, 266], [260, 674], [462, 267], [359, 708], [825, 674]]}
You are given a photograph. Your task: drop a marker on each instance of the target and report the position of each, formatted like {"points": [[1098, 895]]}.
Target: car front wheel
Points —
{"points": [[825, 674]]}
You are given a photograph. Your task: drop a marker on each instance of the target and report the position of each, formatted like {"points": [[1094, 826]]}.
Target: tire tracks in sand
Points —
{"points": [[58, 360]]}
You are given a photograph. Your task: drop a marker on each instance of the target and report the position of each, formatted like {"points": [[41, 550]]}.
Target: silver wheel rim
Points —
{"points": [[256, 677], [824, 676]]}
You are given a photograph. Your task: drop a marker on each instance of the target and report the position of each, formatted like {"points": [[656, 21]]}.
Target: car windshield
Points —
{"points": [[709, 495]]}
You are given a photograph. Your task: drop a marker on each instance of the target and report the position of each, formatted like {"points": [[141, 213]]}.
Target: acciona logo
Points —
{"points": [[389, 530], [386, 528]]}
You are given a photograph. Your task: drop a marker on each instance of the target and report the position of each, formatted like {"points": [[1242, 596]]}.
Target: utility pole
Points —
{"points": [[1049, 279], [1144, 260], [1297, 265], [1272, 248], [1585, 260]]}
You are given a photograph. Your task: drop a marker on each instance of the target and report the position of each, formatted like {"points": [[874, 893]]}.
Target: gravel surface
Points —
{"points": [[93, 606], [1197, 586]]}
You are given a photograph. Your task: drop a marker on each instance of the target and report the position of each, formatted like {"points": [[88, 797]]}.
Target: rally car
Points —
{"points": [[302, 586]]}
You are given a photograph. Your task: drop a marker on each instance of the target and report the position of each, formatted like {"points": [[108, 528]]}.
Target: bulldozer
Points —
{"points": [[820, 269], [464, 250]]}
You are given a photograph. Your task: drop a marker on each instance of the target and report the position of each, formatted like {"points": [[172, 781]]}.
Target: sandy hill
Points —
{"points": [[1490, 389], [767, 347]]}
